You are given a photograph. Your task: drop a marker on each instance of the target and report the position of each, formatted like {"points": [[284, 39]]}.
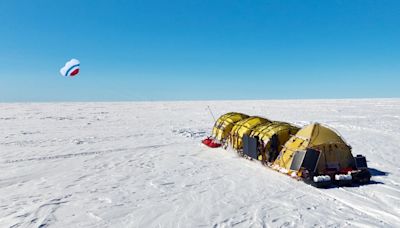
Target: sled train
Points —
{"points": [[315, 154]]}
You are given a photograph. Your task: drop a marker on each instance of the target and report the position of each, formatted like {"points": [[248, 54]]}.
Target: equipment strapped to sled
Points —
{"points": [[211, 142]]}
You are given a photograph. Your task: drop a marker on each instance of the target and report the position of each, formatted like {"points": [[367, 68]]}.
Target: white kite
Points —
{"points": [[71, 68]]}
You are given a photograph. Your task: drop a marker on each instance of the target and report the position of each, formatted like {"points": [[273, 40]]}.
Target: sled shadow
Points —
{"points": [[371, 182], [376, 172], [353, 185]]}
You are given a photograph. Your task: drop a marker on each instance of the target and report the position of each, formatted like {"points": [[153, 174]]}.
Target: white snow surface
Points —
{"points": [[141, 164]]}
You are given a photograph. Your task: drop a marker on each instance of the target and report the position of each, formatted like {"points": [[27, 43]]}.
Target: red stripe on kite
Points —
{"points": [[75, 72]]}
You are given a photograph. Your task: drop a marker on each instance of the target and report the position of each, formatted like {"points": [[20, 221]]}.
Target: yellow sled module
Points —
{"points": [[225, 123], [335, 154], [244, 127], [272, 136]]}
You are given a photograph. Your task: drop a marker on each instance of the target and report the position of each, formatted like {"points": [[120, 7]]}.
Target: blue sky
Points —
{"points": [[199, 50]]}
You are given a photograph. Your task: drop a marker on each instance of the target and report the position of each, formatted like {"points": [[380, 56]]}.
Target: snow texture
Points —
{"points": [[141, 164]]}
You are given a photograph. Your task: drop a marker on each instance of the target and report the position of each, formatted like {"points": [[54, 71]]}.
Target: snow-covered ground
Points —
{"points": [[142, 165]]}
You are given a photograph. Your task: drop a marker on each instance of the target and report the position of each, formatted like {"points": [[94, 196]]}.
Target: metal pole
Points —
{"points": [[211, 113]]}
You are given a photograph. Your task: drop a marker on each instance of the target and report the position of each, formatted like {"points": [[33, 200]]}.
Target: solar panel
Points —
{"points": [[305, 159], [310, 161], [250, 146], [297, 160]]}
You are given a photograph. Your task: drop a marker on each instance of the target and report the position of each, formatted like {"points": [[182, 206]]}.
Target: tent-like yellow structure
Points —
{"points": [[244, 127], [272, 136], [334, 151], [225, 123]]}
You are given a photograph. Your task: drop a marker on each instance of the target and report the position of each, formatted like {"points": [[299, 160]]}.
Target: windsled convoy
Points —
{"points": [[316, 154]]}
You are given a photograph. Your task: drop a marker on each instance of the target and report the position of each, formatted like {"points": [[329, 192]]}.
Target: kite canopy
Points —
{"points": [[71, 68]]}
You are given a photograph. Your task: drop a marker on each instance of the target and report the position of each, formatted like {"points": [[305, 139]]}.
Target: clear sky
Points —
{"points": [[197, 50]]}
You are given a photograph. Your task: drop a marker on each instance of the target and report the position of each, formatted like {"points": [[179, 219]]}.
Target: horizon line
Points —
{"points": [[199, 100]]}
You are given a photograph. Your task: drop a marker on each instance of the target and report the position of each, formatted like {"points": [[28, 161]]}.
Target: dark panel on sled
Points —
{"points": [[305, 159], [310, 161], [250, 146], [361, 162]]}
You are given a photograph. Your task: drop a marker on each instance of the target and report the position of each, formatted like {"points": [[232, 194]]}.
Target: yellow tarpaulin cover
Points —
{"points": [[225, 123], [272, 136], [244, 127], [335, 153]]}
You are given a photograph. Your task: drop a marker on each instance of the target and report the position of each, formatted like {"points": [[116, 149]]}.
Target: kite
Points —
{"points": [[71, 68]]}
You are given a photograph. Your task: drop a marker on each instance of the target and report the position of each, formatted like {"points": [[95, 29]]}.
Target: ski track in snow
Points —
{"points": [[141, 164]]}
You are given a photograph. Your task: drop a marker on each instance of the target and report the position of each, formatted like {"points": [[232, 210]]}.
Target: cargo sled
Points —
{"points": [[210, 142]]}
